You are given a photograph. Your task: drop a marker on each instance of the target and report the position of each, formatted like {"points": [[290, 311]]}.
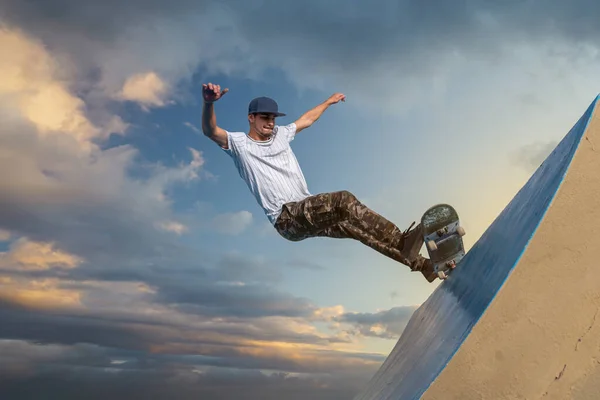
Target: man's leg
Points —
{"points": [[342, 215]]}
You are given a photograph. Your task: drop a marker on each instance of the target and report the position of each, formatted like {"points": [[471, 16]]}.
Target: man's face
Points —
{"points": [[263, 123]]}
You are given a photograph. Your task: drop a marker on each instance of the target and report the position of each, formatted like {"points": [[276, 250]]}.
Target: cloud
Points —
{"points": [[72, 310], [4, 235], [84, 200], [173, 226], [192, 127], [154, 339], [28, 255], [179, 317], [59, 185], [304, 264], [147, 89], [96, 372], [531, 156], [413, 49], [387, 324], [179, 321], [237, 267], [232, 223], [38, 293], [32, 87]]}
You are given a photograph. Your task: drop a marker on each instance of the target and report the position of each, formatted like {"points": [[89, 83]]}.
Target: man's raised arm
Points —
{"points": [[311, 116], [210, 94]]}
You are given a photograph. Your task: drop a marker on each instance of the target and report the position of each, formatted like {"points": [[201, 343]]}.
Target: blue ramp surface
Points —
{"points": [[440, 326]]}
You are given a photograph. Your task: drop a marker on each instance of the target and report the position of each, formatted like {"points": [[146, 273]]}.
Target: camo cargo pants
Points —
{"points": [[341, 215]]}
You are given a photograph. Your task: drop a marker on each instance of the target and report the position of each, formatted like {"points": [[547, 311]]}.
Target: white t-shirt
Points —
{"points": [[269, 168]]}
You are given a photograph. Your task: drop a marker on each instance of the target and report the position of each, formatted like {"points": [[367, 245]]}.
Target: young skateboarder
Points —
{"points": [[266, 162]]}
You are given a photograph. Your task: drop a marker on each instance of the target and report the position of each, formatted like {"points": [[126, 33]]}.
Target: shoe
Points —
{"points": [[425, 267], [411, 242]]}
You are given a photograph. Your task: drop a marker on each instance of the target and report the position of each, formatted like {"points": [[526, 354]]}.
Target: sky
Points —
{"points": [[134, 260]]}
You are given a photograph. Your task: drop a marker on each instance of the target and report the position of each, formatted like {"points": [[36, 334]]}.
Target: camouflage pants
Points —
{"points": [[341, 215]]}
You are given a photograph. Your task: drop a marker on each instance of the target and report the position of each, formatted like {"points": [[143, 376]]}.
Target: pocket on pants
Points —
{"points": [[321, 215]]}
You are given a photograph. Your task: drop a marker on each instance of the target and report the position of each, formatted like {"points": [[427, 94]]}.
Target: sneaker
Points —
{"points": [[427, 270], [425, 266], [411, 242]]}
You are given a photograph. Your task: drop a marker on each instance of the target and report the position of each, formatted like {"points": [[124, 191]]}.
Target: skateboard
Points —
{"points": [[443, 238]]}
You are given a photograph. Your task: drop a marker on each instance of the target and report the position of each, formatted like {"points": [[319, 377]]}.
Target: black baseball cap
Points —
{"points": [[264, 105]]}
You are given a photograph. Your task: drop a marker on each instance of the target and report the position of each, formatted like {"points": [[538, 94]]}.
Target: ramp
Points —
{"points": [[519, 318]]}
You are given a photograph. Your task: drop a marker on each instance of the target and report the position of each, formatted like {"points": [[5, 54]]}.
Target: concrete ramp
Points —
{"points": [[519, 318]]}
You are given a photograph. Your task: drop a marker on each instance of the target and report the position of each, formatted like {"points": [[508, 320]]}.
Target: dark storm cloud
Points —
{"points": [[97, 384], [350, 32], [21, 323], [98, 19], [239, 267], [181, 339], [92, 372], [390, 54], [233, 300], [238, 306], [387, 324]]}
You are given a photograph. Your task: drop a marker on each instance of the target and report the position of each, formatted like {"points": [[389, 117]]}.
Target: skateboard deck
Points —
{"points": [[443, 238]]}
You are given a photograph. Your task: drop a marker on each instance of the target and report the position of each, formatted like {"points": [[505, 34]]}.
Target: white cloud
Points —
{"points": [[173, 226], [147, 89], [232, 223], [192, 127], [58, 184]]}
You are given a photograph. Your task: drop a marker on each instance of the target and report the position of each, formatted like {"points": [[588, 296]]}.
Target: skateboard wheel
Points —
{"points": [[442, 275], [461, 231], [431, 245]]}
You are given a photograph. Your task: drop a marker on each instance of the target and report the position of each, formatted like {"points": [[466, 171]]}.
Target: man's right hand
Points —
{"points": [[212, 92]]}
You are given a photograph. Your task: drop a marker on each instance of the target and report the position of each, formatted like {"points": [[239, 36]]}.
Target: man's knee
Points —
{"points": [[346, 197], [345, 204], [289, 233], [288, 229]]}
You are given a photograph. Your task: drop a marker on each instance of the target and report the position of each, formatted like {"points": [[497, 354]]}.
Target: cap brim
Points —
{"points": [[277, 114]]}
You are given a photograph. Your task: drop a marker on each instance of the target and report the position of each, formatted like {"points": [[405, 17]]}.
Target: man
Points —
{"points": [[266, 162]]}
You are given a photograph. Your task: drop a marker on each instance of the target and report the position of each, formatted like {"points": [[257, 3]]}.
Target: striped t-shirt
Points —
{"points": [[269, 168]]}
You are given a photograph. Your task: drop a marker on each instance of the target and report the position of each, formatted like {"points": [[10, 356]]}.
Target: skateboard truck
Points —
{"points": [[442, 274]]}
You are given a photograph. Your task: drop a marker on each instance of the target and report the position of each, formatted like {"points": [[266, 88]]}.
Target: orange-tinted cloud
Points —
{"points": [[41, 294], [147, 89], [27, 255], [36, 86]]}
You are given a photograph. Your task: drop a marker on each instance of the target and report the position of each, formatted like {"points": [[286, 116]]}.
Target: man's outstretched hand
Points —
{"points": [[336, 98], [212, 92]]}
